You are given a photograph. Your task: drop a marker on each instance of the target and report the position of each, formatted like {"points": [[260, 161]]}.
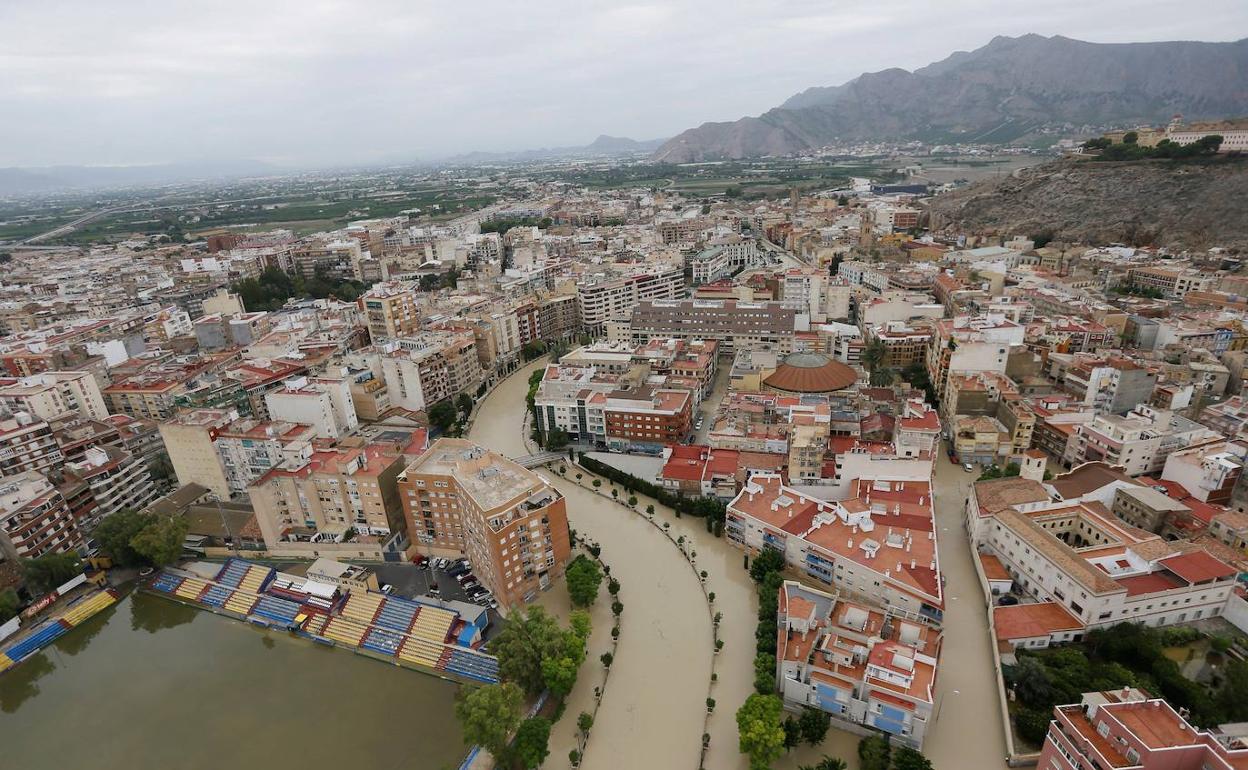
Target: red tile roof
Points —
{"points": [[1026, 621], [1198, 566]]}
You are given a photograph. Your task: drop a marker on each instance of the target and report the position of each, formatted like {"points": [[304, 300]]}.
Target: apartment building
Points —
{"points": [[614, 299], [340, 502], [682, 361], [117, 479], [461, 499], [1114, 385], [433, 366], [325, 403], [260, 376], [733, 324], [189, 441], [26, 444], [1139, 441], [51, 394], [723, 258], [646, 419], [877, 545], [859, 663], [247, 449], [391, 309], [34, 519], [1126, 728], [1210, 471], [904, 346], [225, 454], [573, 399], [966, 344], [1081, 558], [1171, 282]]}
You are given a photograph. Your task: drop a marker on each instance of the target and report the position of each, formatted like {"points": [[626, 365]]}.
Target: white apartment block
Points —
{"points": [[323, 402], [1099, 569], [1139, 441], [613, 299], [51, 394]]}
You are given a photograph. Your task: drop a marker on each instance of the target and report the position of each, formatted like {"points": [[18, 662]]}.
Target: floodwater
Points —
{"points": [[150, 683], [968, 731], [652, 712]]}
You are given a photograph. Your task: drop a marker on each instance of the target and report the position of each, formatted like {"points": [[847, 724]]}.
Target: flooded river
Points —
{"points": [[651, 715], [154, 684]]}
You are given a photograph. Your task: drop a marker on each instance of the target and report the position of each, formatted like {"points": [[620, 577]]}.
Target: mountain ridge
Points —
{"points": [[997, 93]]}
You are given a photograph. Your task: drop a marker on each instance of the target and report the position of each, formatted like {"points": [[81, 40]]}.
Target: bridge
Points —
{"points": [[539, 459]]}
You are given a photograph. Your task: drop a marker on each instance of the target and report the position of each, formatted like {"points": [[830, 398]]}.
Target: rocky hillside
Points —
{"points": [[1194, 205], [995, 94]]}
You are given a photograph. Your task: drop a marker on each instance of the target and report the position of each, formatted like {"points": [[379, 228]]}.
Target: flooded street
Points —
{"points": [[966, 690], [651, 715], [151, 684]]}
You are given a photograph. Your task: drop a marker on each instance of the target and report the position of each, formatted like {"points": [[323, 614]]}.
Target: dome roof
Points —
{"points": [[811, 373]]}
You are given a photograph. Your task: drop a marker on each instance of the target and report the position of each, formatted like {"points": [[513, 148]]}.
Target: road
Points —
{"points": [[966, 690]]}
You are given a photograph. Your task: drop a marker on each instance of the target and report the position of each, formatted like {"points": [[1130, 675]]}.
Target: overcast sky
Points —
{"points": [[307, 82]]}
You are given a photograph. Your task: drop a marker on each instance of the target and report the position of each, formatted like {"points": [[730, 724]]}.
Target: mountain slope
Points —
{"points": [[996, 93], [1179, 205]]}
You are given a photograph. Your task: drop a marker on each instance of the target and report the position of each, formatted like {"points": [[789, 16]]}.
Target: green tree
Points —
{"points": [[559, 669], [1131, 137], [764, 673], [906, 758], [556, 439], [814, 724], [768, 560], [9, 604], [463, 402], [584, 577], [874, 752], [760, 731], [529, 637], [114, 534], [50, 570], [827, 763], [1031, 683], [1230, 696], [531, 745], [873, 356], [442, 415], [160, 540], [792, 733], [585, 722], [488, 715]]}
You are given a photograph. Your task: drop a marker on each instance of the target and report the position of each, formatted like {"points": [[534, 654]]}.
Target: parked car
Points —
{"points": [[968, 467], [434, 591], [464, 577], [475, 591], [457, 569], [471, 584], [440, 563], [387, 589], [1007, 601]]}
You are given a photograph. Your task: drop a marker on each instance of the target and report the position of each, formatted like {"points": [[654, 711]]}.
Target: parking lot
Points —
{"points": [[409, 581]]}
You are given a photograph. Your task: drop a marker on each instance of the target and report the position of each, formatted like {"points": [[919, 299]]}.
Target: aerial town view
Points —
{"points": [[358, 408]]}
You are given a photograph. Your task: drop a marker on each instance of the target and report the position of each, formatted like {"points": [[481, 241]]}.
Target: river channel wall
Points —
{"points": [[1014, 758]]}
